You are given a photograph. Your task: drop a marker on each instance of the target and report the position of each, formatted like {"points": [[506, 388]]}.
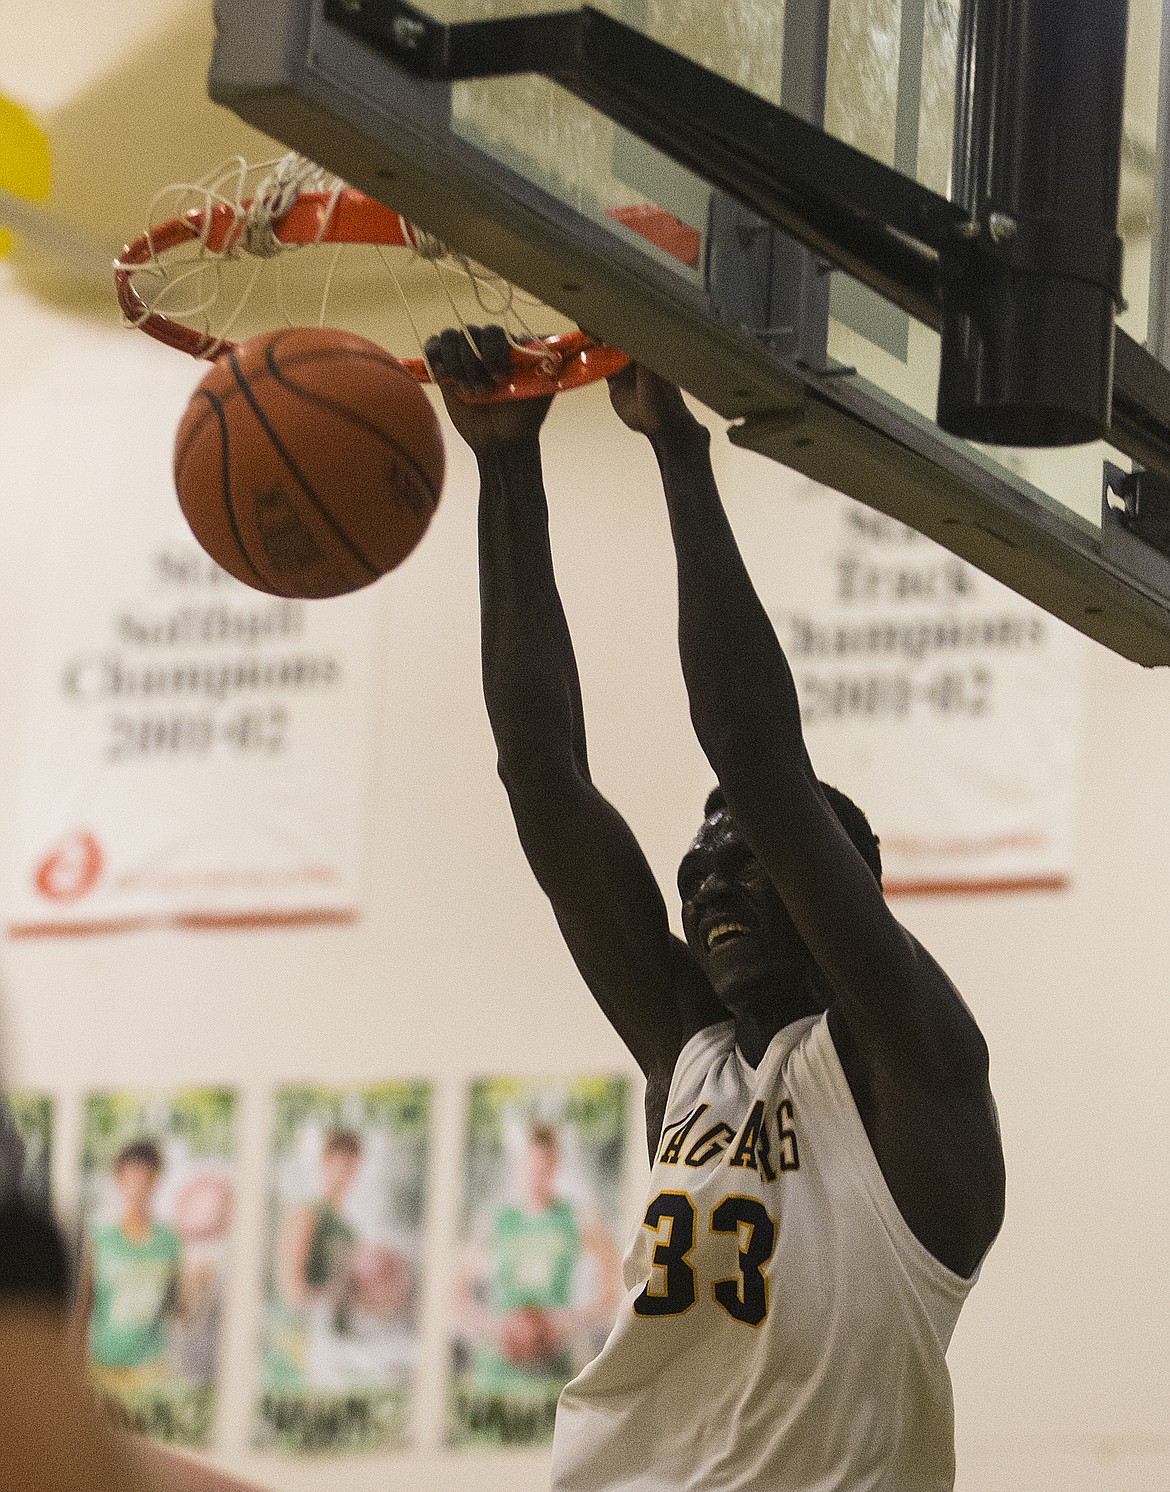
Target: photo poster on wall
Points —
{"points": [[343, 1269], [158, 1186], [538, 1278], [195, 750], [945, 705], [26, 1145]]}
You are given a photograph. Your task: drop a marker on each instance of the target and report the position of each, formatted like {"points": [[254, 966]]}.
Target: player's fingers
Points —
{"points": [[625, 377], [432, 351], [473, 365], [450, 352], [455, 357], [474, 370], [494, 350]]}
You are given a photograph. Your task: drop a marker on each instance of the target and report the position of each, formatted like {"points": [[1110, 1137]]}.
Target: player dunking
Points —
{"points": [[826, 1167]]}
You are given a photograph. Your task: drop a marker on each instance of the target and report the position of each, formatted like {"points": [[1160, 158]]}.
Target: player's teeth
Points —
{"points": [[722, 929]]}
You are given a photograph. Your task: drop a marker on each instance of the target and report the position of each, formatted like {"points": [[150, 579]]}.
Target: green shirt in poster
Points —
{"points": [[134, 1286], [533, 1257], [330, 1246]]}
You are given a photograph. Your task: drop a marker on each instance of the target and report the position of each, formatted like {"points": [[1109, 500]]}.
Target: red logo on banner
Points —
{"points": [[71, 870]]}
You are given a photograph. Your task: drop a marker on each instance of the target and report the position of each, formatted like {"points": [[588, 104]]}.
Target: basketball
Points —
{"points": [[308, 462]]}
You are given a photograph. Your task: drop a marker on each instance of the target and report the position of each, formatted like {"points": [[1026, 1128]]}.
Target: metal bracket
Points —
{"points": [[426, 48], [1135, 534]]}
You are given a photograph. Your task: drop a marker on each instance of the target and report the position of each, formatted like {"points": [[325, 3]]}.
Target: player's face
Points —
{"points": [[542, 1168], [338, 1168], [136, 1182], [735, 923]]}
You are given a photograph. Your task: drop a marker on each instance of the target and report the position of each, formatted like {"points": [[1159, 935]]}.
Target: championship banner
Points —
{"points": [[197, 750], [947, 706]]}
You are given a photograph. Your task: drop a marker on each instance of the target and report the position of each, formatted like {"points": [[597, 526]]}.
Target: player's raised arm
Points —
{"points": [[606, 900], [912, 1051]]}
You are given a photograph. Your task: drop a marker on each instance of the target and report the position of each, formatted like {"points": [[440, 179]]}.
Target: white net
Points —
{"points": [[230, 275]]}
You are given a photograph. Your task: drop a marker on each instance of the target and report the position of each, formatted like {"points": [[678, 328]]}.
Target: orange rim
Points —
{"points": [[547, 365]]}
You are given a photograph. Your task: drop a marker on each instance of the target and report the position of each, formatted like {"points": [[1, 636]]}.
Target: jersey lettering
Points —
{"points": [[789, 1154], [678, 1136], [711, 1142], [754, 1146]]}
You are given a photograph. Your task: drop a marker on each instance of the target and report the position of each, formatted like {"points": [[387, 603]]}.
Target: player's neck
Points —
{"points": [[136, 1226], [763, 1010]]}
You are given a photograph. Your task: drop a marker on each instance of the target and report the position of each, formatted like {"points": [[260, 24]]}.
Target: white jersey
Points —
{"points": [[784, 1330]]}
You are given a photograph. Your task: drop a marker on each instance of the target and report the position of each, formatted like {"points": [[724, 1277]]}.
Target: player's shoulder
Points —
{"points": [[703, 1050], [704, 1047], [802, 1061]]}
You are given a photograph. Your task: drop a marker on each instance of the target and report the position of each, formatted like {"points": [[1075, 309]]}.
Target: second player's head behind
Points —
{"points": [[736, 924]]}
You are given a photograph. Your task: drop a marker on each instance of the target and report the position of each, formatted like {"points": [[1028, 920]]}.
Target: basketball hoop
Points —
{"points": [[298, 206]]}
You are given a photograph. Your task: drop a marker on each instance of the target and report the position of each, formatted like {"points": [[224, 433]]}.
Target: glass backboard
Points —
{"points": [[814, 368]]}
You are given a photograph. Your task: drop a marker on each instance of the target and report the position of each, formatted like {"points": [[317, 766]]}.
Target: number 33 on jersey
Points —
{"points": [[693, 1142]]}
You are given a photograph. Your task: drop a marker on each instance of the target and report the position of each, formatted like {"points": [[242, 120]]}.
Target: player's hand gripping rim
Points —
{"points": [[471, 361], [651, 406]]}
